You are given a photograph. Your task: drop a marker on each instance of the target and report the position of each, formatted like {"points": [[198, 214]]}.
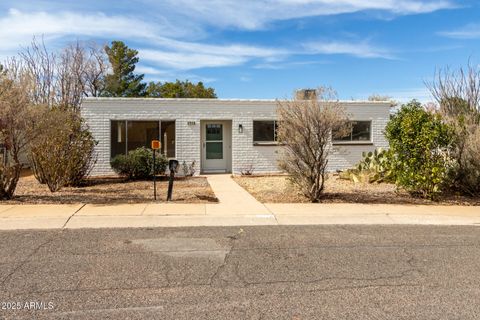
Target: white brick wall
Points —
{"points": [[98, 113]]}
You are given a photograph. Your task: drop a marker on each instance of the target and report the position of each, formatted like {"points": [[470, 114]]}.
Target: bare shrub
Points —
{"points": [[305, 129], [458, 94], [15, 116], [247, 170], [189, 169], [62, 151]]}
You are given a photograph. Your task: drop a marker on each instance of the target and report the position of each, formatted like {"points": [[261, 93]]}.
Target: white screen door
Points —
{"points": [[214, 147]]}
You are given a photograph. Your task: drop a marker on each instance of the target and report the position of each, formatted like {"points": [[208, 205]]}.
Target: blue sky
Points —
{"points": [[266, 48]]}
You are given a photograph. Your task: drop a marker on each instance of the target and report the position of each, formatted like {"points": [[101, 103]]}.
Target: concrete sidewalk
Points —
{"points": [[176, 215], [236, 207]]}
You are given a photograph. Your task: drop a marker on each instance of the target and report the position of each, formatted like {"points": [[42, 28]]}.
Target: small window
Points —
{"points": [[360, 132], [264, 131]]}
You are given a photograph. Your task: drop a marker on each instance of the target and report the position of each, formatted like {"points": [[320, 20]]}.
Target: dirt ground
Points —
{"points": [[113, 190], [277, 189]]}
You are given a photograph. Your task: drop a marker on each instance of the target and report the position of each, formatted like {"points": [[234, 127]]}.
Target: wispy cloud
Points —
{"points": [[289, 64], [470, 31], [257, 14], [357, 49], [17, 27], [168, 33]]}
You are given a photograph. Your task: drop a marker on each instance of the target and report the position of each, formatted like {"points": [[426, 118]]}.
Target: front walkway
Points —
{"points": [[233, 199], [236, 208]]}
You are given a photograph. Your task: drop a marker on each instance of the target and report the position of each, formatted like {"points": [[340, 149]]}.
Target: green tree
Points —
{"points": [[419, 142], [123, 82], [179, 89]]}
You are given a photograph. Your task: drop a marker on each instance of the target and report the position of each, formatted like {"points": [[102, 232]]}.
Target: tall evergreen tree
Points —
{"points": [[123, 82]]}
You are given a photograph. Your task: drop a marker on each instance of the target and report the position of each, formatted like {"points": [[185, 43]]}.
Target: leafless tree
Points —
{"points": [[449, 85], [96, 68], [39, 63], [63, 79], [305, 130], [457, 93]]}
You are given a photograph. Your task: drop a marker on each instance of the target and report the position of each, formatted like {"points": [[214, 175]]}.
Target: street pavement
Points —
{"points": [[251, 272]]}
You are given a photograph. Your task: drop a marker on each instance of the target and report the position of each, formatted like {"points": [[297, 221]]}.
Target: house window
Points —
{"points": [[264, 131], [129, 135], [361, 131], [141, 133]]}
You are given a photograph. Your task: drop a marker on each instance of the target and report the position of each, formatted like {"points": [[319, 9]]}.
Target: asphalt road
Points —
{"points": [[280, 272]]}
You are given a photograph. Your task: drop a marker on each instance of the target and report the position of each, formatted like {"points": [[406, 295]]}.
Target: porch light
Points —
{"points": [[240, 128]]}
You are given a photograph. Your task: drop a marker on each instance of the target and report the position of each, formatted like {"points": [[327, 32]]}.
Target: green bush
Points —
{"points": [[138, 163], [419, 142]]}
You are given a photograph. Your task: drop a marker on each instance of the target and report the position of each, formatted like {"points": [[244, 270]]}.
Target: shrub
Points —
{"points": [[138, 164], [248, 170], [15, 118], [468, 173], [305, 130], [62, 151], [419, 142], [457, 92], [188, 169]]}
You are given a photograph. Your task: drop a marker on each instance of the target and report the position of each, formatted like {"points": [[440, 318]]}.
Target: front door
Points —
{"points": [[214, 148]]}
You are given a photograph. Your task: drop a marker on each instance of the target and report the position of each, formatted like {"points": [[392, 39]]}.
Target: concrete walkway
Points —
{"points": [[233, 199], [236, 208]]}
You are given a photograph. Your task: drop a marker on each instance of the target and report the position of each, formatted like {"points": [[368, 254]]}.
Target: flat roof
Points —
{"points": [[219, 100]]}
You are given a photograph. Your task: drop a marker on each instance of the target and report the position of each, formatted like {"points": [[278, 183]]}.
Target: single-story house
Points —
{"points": [[220, 135]]}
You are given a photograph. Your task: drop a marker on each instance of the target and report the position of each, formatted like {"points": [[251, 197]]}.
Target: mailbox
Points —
{"points": [[173, 166]]}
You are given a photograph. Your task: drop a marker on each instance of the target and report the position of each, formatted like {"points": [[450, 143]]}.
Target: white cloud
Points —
{"points": [[165, 47], [358, 49], [17, 27], [256, 14], [245, 79], [183, 55], [188, 61], [470, 31]]}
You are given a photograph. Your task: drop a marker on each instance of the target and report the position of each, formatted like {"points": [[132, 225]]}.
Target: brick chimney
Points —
{"points": [[305, 94]]}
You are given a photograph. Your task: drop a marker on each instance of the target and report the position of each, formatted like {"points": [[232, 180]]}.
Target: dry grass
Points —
{"points": [[277, 189], [113, 190]]}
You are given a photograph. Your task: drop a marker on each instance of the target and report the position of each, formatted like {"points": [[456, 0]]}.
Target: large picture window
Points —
{"points": [[361, 131], [265, 131], [127, 135]]}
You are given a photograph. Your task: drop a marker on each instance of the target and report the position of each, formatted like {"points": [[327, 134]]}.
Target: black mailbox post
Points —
{"points": [[173, 168]]}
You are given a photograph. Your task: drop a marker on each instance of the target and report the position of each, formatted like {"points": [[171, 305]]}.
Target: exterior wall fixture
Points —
{"points": [[240, 128]]}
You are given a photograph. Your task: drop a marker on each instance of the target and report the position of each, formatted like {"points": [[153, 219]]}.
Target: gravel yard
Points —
{"points": [[113, 190], [277, 189]]}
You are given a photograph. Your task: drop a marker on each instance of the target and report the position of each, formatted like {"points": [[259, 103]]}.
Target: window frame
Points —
{"points": [[273, 142], [356, 142], [140, 120]]}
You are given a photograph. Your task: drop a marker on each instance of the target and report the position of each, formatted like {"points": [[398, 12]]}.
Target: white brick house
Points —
{"points": [[219, 135]]}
